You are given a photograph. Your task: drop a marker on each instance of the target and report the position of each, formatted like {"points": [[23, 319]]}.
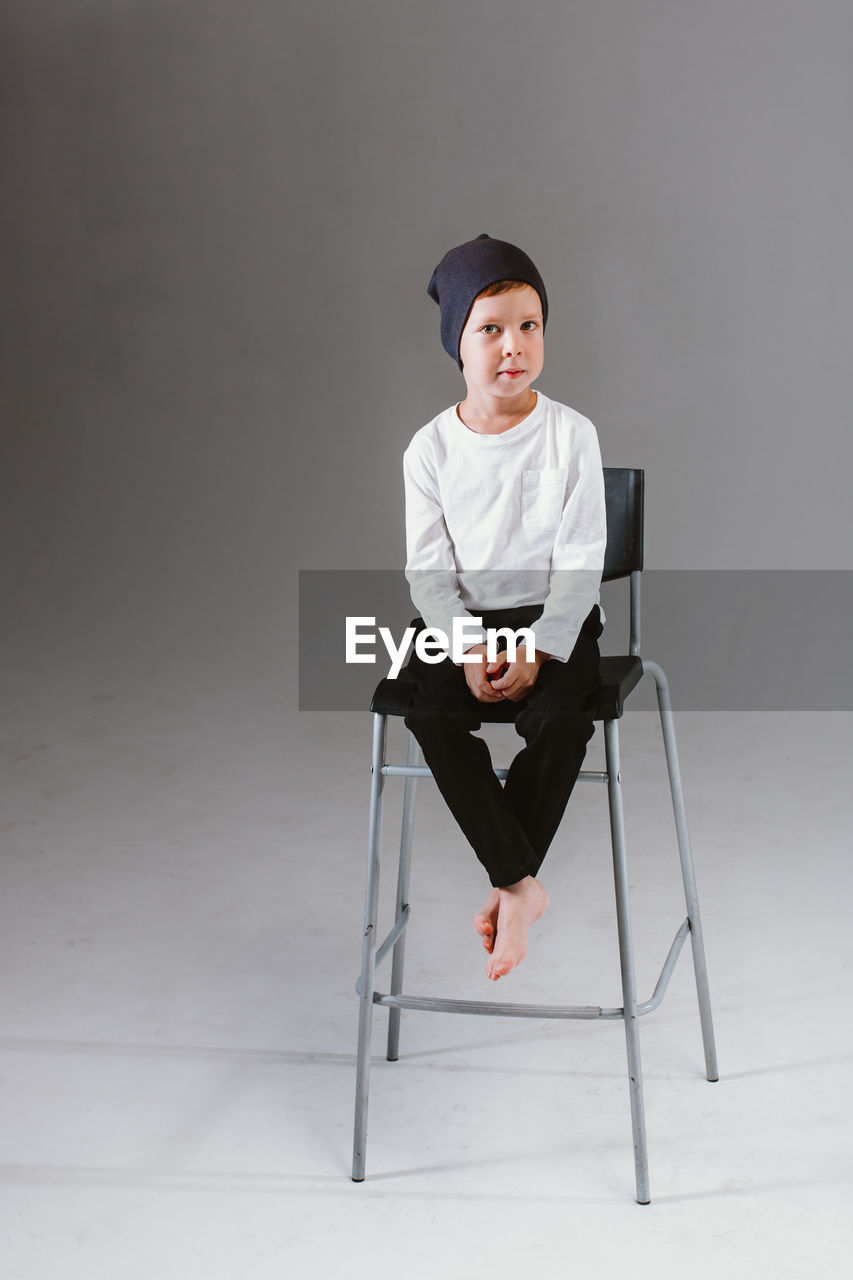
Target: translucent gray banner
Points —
{"points": [[729, 640]]}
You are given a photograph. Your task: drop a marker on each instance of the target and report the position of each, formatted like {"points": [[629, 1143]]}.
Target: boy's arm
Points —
{"points": [[430, 562], [577, 560]]}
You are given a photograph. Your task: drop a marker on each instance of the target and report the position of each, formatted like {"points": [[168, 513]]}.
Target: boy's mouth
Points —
{"points": [[511, 373]]}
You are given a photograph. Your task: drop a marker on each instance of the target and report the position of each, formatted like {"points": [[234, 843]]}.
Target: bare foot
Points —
{"points": [[518, 906], [486, 920]]}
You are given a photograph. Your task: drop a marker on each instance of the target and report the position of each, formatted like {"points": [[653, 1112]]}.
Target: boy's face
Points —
{"points": [[502, 348]]}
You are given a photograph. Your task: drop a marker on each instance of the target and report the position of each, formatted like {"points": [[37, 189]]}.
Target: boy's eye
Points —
{"points": [[489, 329], [529, 324]]}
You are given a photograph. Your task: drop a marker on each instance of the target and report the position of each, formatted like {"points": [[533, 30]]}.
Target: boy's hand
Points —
{"points": [[516, 679], [494, 681], [476, 672]]}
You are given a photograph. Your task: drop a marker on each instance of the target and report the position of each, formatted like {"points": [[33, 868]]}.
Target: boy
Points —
{"points": [[505, 521]]}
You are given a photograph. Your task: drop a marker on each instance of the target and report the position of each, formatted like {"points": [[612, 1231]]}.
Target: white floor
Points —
{"points": [[179, 937]]}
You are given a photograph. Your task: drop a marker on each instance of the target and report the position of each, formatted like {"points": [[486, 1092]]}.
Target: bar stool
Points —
{"points": [[624, 490]]}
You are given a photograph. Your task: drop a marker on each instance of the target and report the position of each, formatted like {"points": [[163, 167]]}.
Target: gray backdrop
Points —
{"points": [[218, 222]]}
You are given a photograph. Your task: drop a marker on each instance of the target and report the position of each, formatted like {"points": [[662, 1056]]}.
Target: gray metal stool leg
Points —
{"points": [[688, 874], [368, 949], [399, 953], [626, 960]]}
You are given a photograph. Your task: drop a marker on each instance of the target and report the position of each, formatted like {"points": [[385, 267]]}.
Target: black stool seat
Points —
{"points": [[618, 677]]}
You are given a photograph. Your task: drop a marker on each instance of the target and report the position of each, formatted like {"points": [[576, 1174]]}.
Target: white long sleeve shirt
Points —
{"points": [[498, 521]]}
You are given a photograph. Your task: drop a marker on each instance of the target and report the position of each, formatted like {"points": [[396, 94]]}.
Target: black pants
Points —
{"points": [[509, 827]]}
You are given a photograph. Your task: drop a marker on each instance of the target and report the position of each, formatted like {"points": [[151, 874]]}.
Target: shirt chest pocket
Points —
{"points": [[542, 497]]}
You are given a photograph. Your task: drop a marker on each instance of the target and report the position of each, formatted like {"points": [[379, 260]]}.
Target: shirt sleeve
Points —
{"points": [[431, 570], [577, 560]]}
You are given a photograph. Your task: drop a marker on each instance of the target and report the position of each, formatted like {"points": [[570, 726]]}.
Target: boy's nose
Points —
{"points": [[512, 343]]}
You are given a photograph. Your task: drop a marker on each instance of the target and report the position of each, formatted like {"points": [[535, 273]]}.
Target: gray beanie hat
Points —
{"points": [[469, 269]]}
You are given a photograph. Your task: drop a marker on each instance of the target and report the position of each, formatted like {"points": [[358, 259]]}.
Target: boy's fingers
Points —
{"points": [[499, 662], [483, 691], [488, 692]]}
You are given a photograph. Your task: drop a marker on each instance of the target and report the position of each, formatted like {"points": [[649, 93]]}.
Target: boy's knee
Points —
{"points": [[427, 719], [423, 718], [415, 717], [562, 722]]}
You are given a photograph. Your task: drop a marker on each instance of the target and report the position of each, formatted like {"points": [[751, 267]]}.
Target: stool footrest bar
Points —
{"points": [[495, 1009], [430, 1004]]}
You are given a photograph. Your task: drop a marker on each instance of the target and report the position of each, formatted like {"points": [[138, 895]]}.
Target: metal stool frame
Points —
{"points": [[631, 1009]]}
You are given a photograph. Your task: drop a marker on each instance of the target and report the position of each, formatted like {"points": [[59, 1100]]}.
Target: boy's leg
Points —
{"points": [[442, 715], [556, 723]]}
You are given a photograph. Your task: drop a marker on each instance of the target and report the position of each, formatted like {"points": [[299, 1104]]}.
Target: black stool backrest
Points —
{"points": [[623, 497]]}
